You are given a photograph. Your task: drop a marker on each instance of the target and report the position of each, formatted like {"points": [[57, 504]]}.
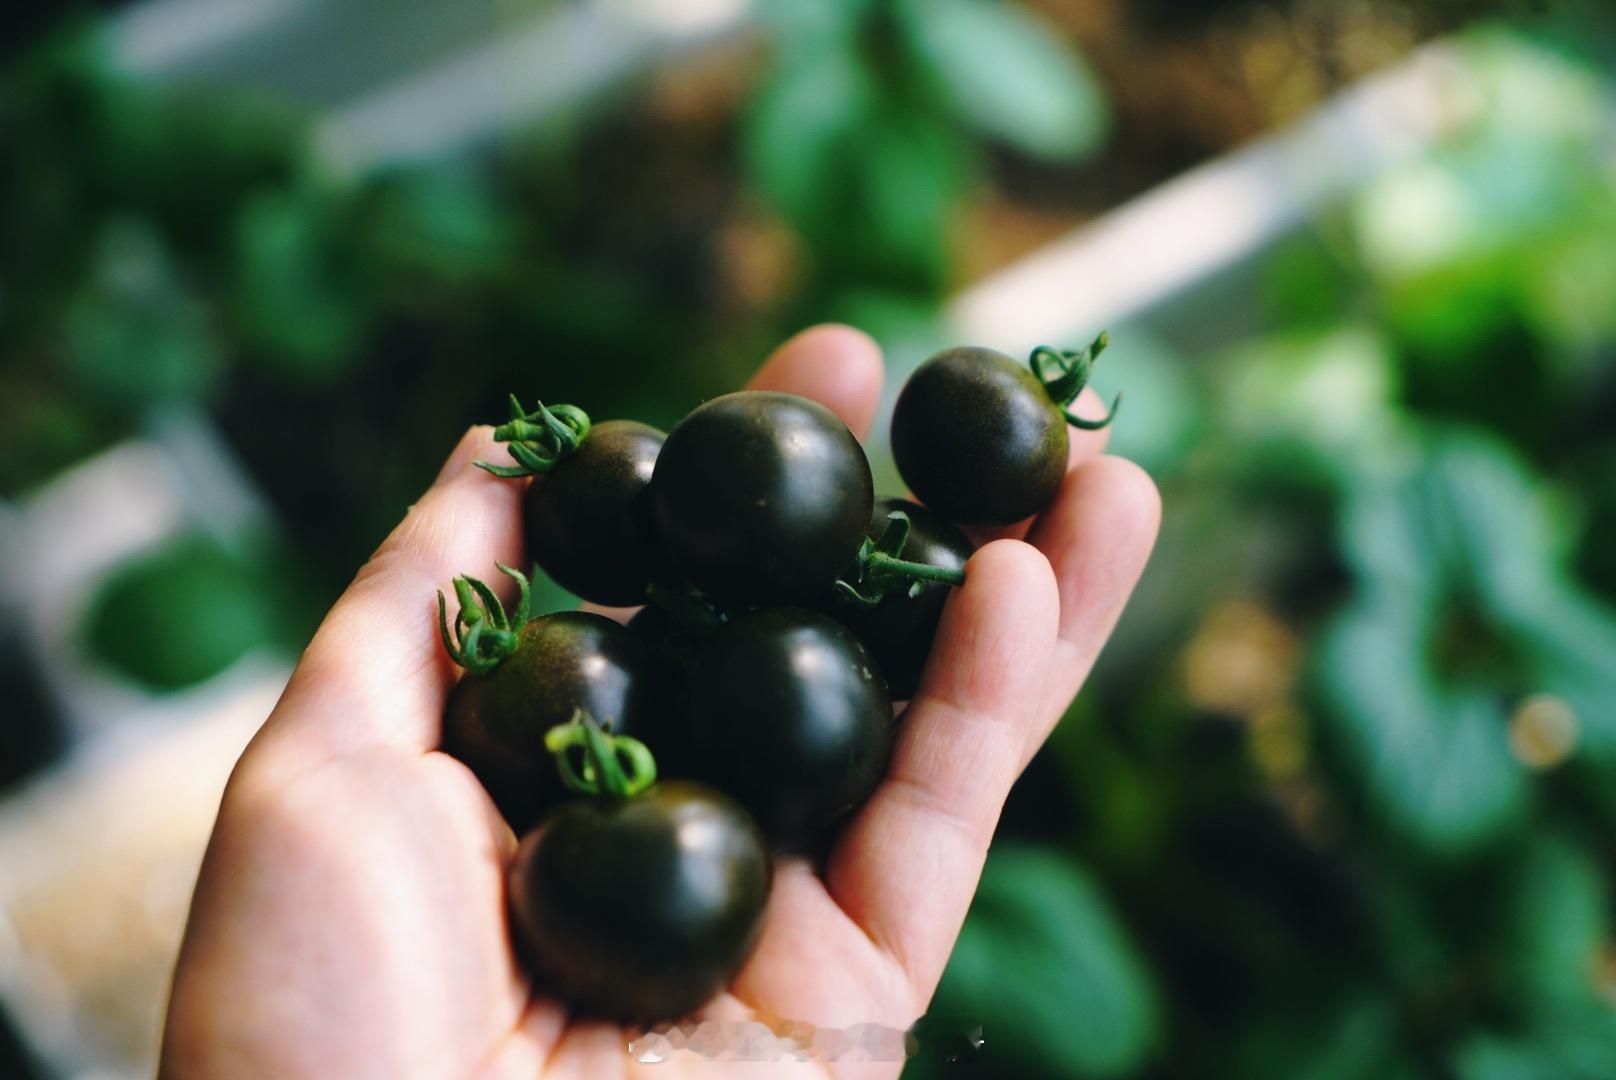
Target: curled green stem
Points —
{"points": [[483, 633], [879, 567], [881, 564], [1065, 374], [540, 440], [617, 766]]}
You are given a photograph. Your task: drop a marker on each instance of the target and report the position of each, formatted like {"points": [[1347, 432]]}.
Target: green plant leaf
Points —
{"points": [[1577, 1047], [440, 226], [867, 181], [1463, 515], [1465, 611], [183, 613], [814, 21], [1355, 1037], [1570, 643], [1006, 73], [800, 130], [1491, 1057], [1434, 759], [1050, 972], [289, 298], [906, 179], [1557, 923], [1314, 399], [135, 333]]}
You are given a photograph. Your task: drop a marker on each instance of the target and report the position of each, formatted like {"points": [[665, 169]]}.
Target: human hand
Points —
{"points": [[349, 919]]}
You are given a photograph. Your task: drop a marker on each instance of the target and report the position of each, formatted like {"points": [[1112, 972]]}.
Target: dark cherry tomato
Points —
{"points": [[899, 630], [588, 520], [761, 497], [641, 908], [496, 722], [977, 438], [672, 642], [788, 712]]}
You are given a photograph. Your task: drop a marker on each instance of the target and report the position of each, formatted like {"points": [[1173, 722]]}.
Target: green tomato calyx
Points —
{"points": [[1065, 373], [878, 567], [540, 440], [616, 766], [483, 634]]}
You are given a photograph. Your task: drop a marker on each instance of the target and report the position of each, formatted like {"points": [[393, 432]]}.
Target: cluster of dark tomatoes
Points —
{"points": [[786, 609]]}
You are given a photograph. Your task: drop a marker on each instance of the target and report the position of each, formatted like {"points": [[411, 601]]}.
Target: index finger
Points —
{"points": [[375, 672]]}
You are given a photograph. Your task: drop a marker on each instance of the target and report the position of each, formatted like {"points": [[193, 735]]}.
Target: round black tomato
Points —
{"points": [[977, 438], [588, 519], [761, 497], [495, 723], [788, 712], [899, 630], [672, 644], [640, 909]]}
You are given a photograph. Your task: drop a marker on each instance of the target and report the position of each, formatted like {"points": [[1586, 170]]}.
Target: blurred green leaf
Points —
{"points": [[1434, 759], [908, 176], [183, 613], [1558, 920], [1460, 515], [1314, 400], [1355, 1038], [1306, 282], [1569, 641], [1491, 254], [865, 178], [1582, 1047], [441, 224], [1464, 611], [1521, 166], [290, 299], [1568, 285], [1489, 1057], [800, 129], [135, 334], [1005, 72], [816, 22], [1050, 972]]}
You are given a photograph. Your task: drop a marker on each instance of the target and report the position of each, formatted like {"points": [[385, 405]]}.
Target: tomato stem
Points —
{"points": [[878, 567], [616, 766], [883, 565], [483, 634], [1069, 377], [540, 440]]}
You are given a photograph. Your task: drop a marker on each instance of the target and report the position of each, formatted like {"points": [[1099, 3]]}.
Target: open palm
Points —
{"points": [[349, 919]]}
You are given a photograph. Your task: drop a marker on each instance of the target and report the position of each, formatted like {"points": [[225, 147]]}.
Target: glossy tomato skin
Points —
{"points": [[640, 909], [761, 497], [899, 630], [589, 521], [789, 713], [495, 723], [672, 645], [977, 439]]}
